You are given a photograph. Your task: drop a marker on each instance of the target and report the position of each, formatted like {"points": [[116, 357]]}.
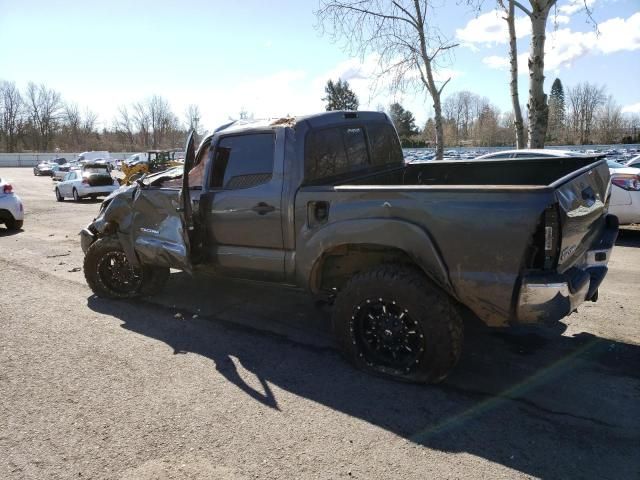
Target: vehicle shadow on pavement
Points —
{"points": [[628, 238], [544, 404], [5, 232]]}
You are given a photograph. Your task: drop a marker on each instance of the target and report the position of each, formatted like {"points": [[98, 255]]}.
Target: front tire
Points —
{"points": [[393, 321], [110, 275], [59, 197]]}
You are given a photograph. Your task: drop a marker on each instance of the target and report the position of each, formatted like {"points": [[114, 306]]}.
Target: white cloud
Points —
{"points": [[564, 46], [573, 6], [561, 19], [491, 29], [619, 34], [496, 62], [633, 108]]}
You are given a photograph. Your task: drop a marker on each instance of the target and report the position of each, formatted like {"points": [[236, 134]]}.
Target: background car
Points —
{"points": [[44, 168], [529, 153], [11, 209], [625, 193], [634, 162], [93, 180]]}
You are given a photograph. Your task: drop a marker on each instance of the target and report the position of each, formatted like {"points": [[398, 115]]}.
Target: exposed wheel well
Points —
{"points": [[339, 264]]}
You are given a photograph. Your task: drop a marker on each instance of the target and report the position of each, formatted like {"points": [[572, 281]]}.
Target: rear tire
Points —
{"points": [[59, 197], [76, 197], [110, 275], [393, 321], [14, 224]]}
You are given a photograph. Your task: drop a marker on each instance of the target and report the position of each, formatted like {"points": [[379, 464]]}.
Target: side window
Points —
{"points": [[334, 151], [243, 161], [196, 174], [385, 147], [325, 154]]}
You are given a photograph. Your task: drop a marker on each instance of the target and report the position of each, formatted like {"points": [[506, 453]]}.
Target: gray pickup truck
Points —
{"points": [[326, 203]]}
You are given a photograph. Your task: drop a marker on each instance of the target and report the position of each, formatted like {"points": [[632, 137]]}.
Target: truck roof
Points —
{"points": [[316, 120]]}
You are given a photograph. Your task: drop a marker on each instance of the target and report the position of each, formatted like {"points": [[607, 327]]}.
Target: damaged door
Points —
{"points": [[162, 221]]}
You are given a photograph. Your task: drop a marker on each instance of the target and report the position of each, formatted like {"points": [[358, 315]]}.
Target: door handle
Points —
{"points": [[262, 208]]}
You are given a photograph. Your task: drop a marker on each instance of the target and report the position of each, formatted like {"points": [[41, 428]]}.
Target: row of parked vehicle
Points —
{"points": [[89, 175]]}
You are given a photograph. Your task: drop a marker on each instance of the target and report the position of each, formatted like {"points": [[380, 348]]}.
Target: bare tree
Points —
{"points": [[142, 122], [88, 123], [509, 9], [73, 122], [610, 122], [193, 118], [584, 101], [11, 110], [409, 46], [45, 108], [123, 125]]}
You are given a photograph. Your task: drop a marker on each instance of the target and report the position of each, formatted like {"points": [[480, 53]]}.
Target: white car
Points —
{"points": [[11, 209], [625, 193], [91, 181], [529, 153], [634, 162]]}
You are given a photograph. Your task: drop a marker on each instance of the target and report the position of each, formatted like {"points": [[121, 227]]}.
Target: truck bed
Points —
{"points": [[521, 172]]}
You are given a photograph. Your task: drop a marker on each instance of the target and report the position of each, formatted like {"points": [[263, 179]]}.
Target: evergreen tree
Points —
{"points": [[403, 120], [340, 96], [557, 114]]}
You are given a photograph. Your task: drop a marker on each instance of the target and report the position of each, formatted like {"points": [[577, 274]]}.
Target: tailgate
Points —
{"points": [[583, 201]]}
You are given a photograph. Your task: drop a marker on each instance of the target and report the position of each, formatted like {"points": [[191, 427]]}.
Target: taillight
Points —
{"points": [[7, 188], [543, 252], [85, 181], [626, 181], [551, 237]]}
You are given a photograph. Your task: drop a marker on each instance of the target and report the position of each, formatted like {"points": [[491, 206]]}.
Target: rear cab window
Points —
{"points": [[336, 151]]}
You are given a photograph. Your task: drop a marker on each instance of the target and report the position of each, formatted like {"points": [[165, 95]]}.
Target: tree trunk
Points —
{"points": [[538, 108], [437, 108], [513, 58]]}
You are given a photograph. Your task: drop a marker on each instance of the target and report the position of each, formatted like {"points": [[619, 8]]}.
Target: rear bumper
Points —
{"points": [[549, 297], [85, 191], [11, 207]]}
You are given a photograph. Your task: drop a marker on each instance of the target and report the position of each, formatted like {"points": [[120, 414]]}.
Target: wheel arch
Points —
{"points": [[342, 249]]}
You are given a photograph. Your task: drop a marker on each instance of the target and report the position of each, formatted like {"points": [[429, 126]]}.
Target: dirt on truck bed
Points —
{"points": [[223, 379]]}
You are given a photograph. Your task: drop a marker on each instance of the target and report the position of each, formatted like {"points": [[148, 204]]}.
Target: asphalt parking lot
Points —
{"points": [[220, 379]]}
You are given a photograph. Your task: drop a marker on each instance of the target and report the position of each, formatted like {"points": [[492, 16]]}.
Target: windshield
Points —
{"points": [[613, 164]]}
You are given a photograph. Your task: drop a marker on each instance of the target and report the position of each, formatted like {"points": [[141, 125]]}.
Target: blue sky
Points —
{"points": [[267, 57]]}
